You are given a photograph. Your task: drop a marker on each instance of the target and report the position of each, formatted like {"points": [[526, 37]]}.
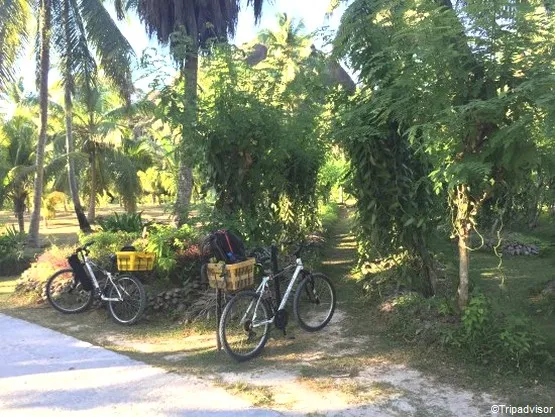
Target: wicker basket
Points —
{"points": [[231, 277], [135, 261]]}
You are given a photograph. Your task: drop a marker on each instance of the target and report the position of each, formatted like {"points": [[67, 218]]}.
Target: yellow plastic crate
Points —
{"points": [[135, 261], [231, 277]]}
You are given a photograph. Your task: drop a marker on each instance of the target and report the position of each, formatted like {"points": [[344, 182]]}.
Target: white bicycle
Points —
{"points": [[74, 289], [247, 318]]}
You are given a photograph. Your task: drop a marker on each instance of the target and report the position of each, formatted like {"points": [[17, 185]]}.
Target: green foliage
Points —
{"points": [[107, 243], [487, 336], [260, 144], [14, 16], [12, 245], [394, 195], [477, 323], [177, 255], [332, 174], [455, 96], [176, 250], [482, 334], [126, 222], [17, 146], [328, 215], [384, 277]]}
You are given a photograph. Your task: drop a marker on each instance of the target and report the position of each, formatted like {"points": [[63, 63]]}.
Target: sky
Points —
{"points": [[312, 12]]}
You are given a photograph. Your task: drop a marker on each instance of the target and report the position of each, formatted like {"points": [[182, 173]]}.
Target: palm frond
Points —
{"points": [[115, 53], [257, 8], [201, 20], [14, 15]]}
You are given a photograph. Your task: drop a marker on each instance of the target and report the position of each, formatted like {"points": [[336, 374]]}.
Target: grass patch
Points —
{"points": [[258, 395], [356, 392], [7, 287]]}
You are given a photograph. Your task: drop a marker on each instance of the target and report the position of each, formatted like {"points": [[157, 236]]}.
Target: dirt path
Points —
{"points": [[334, 374], [345, 370]]}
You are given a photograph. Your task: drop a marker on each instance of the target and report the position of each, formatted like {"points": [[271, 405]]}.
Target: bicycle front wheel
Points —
{"points": [[245, 325], [67, 295], [127, 300], [314, 302]]}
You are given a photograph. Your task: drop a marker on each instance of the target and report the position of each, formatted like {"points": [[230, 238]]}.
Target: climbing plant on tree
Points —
{"points": [[466, 82], [262, 152]]}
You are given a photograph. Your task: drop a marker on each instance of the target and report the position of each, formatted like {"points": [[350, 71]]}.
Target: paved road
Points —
{"points": [[45, 373]]}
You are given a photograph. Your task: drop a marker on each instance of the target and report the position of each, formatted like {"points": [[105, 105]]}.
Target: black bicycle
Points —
{"points": [[73, 290]]}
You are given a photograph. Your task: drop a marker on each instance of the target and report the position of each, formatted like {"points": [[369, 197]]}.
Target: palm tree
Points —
{"points": [[288, 40], [45, 28], [17, 142], [288, 48], [85, 25], [113, 159], [78, 27], [197, 21]]}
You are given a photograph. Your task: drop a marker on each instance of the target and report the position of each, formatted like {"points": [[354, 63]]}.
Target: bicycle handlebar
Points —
{"points": [[274, 253]]}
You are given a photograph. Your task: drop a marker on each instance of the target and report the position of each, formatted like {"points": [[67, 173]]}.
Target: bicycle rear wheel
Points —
{"points": [[244, 326], [314, 302], [130, 308], [67, 295]]}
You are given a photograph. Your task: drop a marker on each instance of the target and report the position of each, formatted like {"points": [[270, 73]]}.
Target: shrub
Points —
{"points": [[510, 341], [126, 222], [177, 255], [495, 337], [107, 243], [416, 319], [34, 278], [12, 245], [187, 265]]}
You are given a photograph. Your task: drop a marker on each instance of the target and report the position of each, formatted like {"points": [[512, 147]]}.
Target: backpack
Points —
{"points": [[79, 273], [224, 246]]}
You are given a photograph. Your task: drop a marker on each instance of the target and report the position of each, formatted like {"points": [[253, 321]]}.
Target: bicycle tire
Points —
{"points": [[130, 309], [233, 310], [306, 295], [72, 289]]}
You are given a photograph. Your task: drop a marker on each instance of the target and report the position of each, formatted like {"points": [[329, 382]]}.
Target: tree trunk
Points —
{"points": [[462, 291], [466, 210], [20, 221], [130, 205], [92, 200], [73, 188], [428, 284], [19, 209], [45, 29], [185, 173]]}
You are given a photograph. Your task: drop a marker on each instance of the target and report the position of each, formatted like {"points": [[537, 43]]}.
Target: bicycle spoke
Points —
{"points": [[242, 333], [65, 294], [131, 301], [315, 302]]}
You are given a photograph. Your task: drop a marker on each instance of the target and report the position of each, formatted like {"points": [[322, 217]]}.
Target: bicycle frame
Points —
{"points": [[264, 284], [89, 264]]}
